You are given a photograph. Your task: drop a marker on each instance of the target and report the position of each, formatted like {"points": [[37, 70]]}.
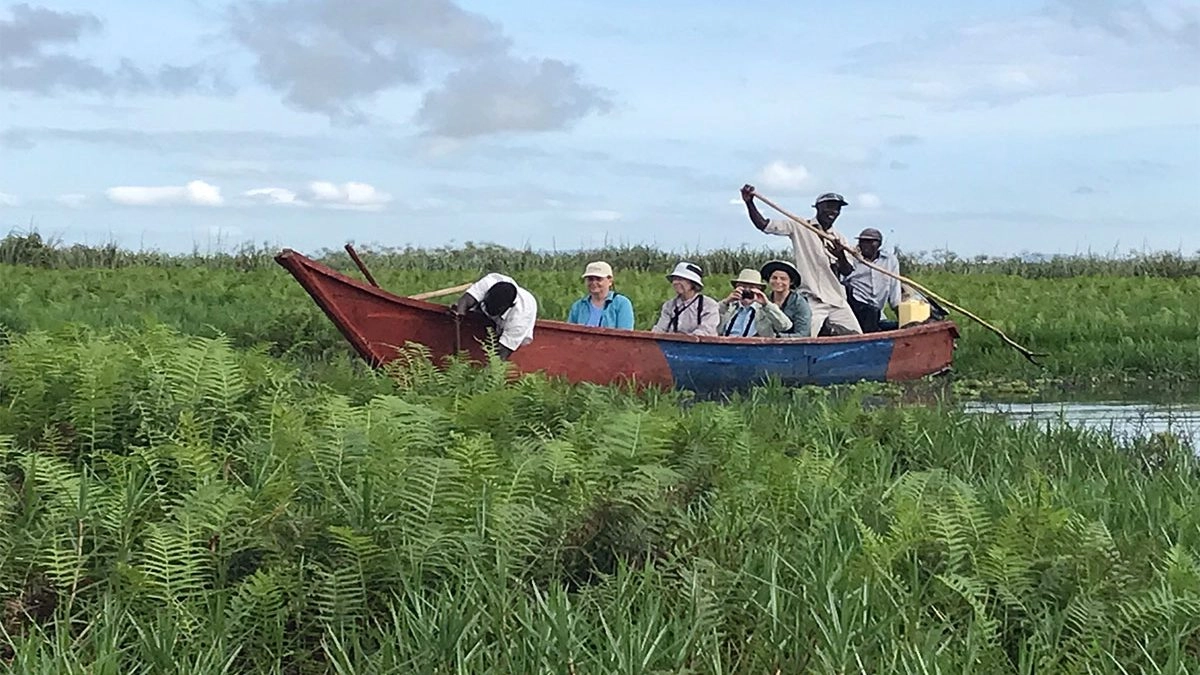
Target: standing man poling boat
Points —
{"points": [[510, 308], [819, 262]]}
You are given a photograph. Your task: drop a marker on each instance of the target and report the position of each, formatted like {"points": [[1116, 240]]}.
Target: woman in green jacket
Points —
{"points": [[784, 281]]}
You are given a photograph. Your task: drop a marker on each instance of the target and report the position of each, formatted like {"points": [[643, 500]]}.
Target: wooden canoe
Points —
{"points": [[378, 323]]}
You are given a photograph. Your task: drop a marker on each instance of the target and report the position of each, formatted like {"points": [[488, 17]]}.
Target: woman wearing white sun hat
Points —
{"points": [[690, 312]]}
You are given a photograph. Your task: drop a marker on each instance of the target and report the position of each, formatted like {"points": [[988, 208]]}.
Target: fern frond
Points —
{"points": [[408, 428], [63, 560], [974, 593], [476, 457], [1180, 571], [434, 495], [97, 409], [173, 567], [209, 508], [340, 597], [55, 484]]}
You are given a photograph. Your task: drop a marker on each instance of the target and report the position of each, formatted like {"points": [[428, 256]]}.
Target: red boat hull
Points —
{"points": [[378, 324]]}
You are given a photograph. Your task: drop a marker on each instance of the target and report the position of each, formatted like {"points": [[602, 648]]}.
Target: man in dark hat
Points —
{"points": [[820, 262], [870, 291], [510, 308]]}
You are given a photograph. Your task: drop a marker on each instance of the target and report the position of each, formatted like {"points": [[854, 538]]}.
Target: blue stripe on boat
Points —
{"points": [[716, 367]]}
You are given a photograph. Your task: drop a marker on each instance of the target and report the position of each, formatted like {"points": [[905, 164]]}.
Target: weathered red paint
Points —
{"points": [[913, 354]]}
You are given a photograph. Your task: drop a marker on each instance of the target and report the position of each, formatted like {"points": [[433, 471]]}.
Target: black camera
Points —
{"points": [[747, 294]]}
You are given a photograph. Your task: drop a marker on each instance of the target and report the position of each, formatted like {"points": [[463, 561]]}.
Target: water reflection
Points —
{"points": [[1119, 418]]}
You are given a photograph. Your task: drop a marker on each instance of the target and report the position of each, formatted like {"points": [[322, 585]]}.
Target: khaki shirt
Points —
{"points": [[817, 280], [768, 320]]}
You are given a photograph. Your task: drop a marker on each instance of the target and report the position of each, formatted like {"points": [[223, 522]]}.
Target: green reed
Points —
{"points": [[1096, 328], [173, 504], [31, 249]]}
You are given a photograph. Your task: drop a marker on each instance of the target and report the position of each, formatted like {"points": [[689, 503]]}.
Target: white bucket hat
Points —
{"points": [[598, 269], [689, 271]]}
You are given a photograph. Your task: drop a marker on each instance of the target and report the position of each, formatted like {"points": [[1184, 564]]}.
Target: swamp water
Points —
{"points": [[1120, 419]]}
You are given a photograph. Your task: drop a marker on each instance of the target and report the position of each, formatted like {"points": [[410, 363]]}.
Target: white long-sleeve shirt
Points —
{"points": [[876, 288]]}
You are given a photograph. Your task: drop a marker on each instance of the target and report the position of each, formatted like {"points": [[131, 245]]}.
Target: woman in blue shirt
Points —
{"points": [[602, 306]]}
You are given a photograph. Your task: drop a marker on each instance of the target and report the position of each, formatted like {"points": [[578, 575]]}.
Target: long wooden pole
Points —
{"points": [[361, 267], [830, 238], [441, 291], [419, 296]]}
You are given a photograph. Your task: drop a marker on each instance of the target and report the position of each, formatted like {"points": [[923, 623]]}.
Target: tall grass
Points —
{"points": [[1105, 328], [31, 249], [172, 504]]}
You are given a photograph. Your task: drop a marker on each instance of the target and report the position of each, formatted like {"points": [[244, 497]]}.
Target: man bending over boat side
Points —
{"points": [[690, 312], [510, 308], [818, 261]]}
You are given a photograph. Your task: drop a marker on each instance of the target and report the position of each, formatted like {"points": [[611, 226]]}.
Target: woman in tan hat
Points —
{"points": [[784, 280], [746, 312], [690, 312], [602, 306]]}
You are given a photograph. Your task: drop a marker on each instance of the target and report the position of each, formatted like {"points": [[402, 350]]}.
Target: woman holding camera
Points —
{"points": [[747, 312]]}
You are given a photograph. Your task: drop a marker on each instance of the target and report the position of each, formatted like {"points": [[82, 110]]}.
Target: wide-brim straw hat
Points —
{"points": [[776, 265], [748, 276], [689, 271]]}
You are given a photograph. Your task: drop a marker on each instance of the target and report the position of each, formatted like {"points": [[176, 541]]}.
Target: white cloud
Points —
{"points": [[8, 200], [73, 199], [275, 195], [325, 58], [599, 216], [783, 177], [869, 200], [1072, 47], [197, 193], [510, 94], [352, 195]]}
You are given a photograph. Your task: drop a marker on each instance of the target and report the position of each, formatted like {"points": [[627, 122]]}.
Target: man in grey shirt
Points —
{"points": [[869, 290]]}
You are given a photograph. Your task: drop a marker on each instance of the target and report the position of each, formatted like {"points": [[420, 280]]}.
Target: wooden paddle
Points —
{"points": [[828, 237]]}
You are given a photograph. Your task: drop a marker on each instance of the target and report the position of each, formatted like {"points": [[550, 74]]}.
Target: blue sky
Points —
{"points": [[983, 128]]}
